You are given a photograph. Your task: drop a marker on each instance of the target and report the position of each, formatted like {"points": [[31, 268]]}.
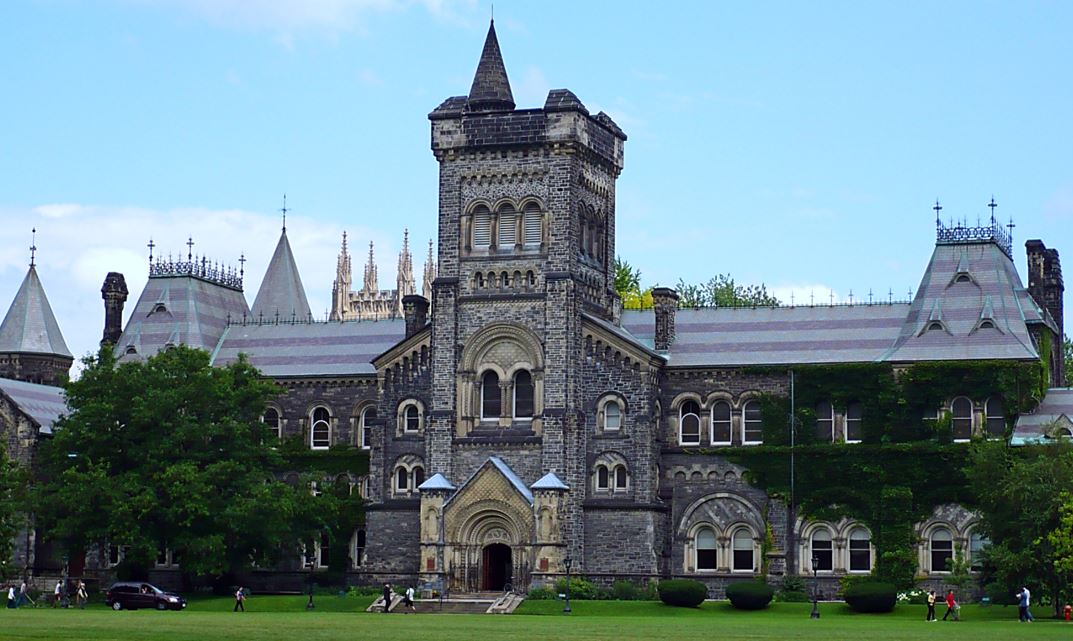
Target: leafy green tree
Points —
{"points": [[627, 278], [170, 452], [13, 480], [1067, 350], [722, 291], [1022, 494]]}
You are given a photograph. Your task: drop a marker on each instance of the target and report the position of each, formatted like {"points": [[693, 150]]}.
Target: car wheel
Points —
{"points": [[116, 605], [160, 605]]}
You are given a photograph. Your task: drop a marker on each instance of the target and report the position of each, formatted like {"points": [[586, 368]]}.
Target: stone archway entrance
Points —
{"points": [[496, 567]]}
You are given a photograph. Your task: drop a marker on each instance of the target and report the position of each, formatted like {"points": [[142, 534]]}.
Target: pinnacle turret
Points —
{"points": [[491, 89]]}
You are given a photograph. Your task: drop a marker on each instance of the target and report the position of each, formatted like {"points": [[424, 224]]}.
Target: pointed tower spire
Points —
{"points": [[281, 291], [491, 89], [430, 274], [404, 282], [30, 327], [341, 286], [370, 285]]}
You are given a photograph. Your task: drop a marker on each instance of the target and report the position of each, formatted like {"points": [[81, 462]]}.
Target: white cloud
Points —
{"points": [[79, 244], [531, 89]]}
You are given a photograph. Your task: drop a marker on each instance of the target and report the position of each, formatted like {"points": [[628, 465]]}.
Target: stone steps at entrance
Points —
{"points": [[474, 603]]}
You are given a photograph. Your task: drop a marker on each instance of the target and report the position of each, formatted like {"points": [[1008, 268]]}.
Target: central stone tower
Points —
{"points": [[526, 244]]}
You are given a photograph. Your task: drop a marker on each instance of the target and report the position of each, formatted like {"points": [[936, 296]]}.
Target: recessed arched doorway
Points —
{"points": [[496, 563]]}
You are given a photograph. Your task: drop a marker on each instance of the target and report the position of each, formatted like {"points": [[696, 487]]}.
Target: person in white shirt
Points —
{"points": [[408, 600]]}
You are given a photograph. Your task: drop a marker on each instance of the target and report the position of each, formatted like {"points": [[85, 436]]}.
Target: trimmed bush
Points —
{"points": [[581, 589], [682, 593], [750, 595], [871, 597], [542, 594]]}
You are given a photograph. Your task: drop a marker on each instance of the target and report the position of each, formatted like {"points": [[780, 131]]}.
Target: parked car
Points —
{"points": [[131, 595]]}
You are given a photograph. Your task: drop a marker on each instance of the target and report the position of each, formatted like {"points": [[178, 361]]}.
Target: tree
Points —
{"points": [[1067, 351], [13, 480], [722, 291], [627, 278], [1022, 495], [170, 452]]}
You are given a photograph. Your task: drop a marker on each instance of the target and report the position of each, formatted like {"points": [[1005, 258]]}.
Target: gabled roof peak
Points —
{"points": [[281, 294], [490, 90], [30, 325]]}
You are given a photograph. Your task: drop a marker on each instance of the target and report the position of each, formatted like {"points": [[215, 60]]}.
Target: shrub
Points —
{"points": [[543, 593], [624, 590], [683, 593], [871, 597], [792, 590], [750, 595], [580, 588]]}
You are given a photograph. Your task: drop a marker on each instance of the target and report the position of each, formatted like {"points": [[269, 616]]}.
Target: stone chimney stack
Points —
{"points": [[415, 311], [665, 304], [1046, 287], [114, 293]]}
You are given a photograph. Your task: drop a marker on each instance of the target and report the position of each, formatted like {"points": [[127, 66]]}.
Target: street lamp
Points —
{"points": [[566, 606], [815, 587], [310, 606]]}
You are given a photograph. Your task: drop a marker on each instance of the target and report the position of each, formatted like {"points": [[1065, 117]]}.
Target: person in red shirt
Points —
{"points": [[951, 606]]}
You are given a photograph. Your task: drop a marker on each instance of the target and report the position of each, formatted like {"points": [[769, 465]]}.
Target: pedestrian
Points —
{"points": [[931, 607], [240, 598], [11, 597], [24, 595], [56, 592], [951, 605], [408, 600], [387, 598], [1024, 598], [81, 596]]}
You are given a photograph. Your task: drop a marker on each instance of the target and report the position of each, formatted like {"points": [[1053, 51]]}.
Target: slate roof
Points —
{"points": [[42, 403], [436, 482], [505, 470], [1056, 410], [490, 89], [310, 349], [30, 325], [281, 294], [963, 286], [549, 482], [179, 309]]}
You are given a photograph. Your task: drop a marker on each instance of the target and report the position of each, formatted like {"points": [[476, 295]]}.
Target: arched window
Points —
{"points": [[411, 417], [706, 542], [621, 478], [742, 546], [854, 414], [752, 429], [721, 425], [977, 543], [320, 433], [603, 481], [822, 551], [825, 422], [365, 430], [482, 228], [507, 228], [419, 477], [523, 395], [942, 549], [402, 479], [961, 416], [860, 550], [995, 414], [322, 551], [531, 226], [612, 417], [357, 555], [272, 422], [689, 424], [491, 397]]}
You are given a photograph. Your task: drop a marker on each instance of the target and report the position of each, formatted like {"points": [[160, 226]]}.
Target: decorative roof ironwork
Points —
{"points": [[961, 233], [201, 268]]}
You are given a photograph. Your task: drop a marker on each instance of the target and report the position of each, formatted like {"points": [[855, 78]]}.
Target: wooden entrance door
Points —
{"points": [[496, 561]]}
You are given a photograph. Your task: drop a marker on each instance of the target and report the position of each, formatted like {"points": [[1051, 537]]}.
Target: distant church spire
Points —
{"points": [[491, 89], [341, 286], [430, 274], [404, 281], [370, 285]]}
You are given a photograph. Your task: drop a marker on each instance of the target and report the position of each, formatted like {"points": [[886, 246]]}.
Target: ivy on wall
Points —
{"points": [[338, 459]]}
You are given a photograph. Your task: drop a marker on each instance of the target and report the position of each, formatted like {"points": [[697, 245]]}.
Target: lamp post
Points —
{"points": [[310, 606], [566, 606], [815, 588]]}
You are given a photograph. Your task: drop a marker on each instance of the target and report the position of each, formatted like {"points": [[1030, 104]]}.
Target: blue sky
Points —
{"points": [[797, 144]]}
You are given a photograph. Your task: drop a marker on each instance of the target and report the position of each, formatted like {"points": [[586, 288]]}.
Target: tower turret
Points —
{"points": [[114, 292]]}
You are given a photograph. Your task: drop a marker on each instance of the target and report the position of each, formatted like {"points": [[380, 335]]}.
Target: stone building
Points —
{"points": [[518, 421]]}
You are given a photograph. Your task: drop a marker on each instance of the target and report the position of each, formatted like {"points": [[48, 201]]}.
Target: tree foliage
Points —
{"points": [[722, 291], [1067, 350], [13, 481], [170, 452], [1023, 496]]}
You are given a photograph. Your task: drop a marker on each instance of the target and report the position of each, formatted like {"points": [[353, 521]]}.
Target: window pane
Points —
{"points": [[961, 411], [321, 433], [507, 230], [706, 550], [271, 420], [942, 550], [825, 421], [612, 416], [752, 427], [419, 476], [413, 419], [996, 417], [602, 482], [854, 413], [620, 478], [822, 551], [401, 480], [531, 223], [721, 426], [366, 430], [743, 550], [482, 229], [690, 429], [860, 554], [523, 394], [491, 402]]}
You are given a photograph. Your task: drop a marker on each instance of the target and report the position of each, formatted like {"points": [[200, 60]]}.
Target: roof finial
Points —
{"points": [[938, 208], [190, 248], [992, 205], [151, 245], [1010, 226], [33, 246], [284, 210], [242, 265]]}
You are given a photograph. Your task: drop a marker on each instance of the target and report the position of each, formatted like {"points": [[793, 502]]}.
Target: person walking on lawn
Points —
{"points": [[240, 599], [951, 606], [387, 598], [1024, 598], [931, 607], [408, 599]]}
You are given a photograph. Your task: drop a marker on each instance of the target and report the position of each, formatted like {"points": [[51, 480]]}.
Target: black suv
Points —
{"points": [[132, 595]]}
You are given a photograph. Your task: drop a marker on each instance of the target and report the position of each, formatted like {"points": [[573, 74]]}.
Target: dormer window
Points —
{"points": [[159, 308], [962, 278]]}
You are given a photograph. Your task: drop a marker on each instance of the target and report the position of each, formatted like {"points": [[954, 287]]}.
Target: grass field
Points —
{"points": [[285, 618]]}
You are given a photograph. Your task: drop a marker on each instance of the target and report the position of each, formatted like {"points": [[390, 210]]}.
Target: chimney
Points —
{"points": [[1046, 287], [415, 311], [665, 304], [114, 293]]}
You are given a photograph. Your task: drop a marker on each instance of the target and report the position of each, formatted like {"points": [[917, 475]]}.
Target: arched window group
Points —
{"points": [[947, 539], [507, 228], [613, 477], [523, 396], [408, 475], [592, 234], [968, 418], [716, 425], [739, 552], [829, 418], [841, 548]]}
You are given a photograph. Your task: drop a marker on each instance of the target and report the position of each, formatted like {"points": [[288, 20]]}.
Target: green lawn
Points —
{"points": [[335, 618]]}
